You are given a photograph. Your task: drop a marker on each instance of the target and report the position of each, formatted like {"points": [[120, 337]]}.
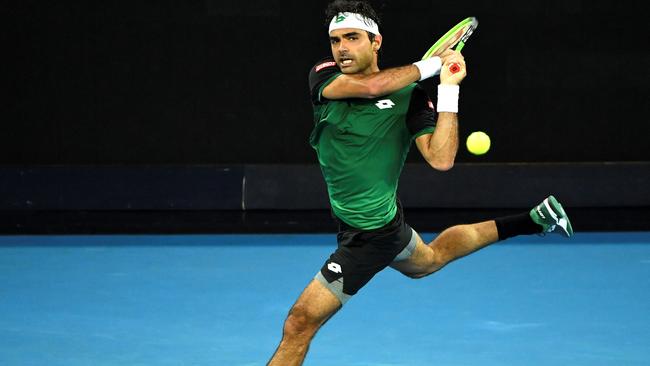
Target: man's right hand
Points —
{"points": [[445, 55], [446, 76]]}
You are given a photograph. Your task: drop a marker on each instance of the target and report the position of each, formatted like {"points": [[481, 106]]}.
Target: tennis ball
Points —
{"points": [[478, 143]]}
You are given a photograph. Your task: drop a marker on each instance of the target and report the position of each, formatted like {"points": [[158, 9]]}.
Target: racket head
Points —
{"points": [[458, 34]]}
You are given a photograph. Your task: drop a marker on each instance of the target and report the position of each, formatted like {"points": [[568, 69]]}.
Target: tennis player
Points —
{"points": [[365, 122]]}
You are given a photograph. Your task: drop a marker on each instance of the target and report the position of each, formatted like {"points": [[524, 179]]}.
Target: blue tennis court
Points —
{"points": [[221, 300]]}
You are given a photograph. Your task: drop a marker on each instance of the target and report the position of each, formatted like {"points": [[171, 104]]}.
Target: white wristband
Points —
{"points": [[448, 98], [429, 67]]}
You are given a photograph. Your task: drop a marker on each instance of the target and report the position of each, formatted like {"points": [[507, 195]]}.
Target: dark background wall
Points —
{"points": [[213, 82]]}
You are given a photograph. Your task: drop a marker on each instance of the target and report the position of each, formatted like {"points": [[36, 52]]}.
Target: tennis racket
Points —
{"points": [[456, 36]]}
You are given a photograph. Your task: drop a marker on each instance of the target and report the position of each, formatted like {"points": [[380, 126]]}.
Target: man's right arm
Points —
{"points": [[373, 85], [386, 81]]}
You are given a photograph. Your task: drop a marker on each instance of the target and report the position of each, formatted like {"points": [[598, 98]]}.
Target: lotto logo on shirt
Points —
{"points": [[385, 104]]}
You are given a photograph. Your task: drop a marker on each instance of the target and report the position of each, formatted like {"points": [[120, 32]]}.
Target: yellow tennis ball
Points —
{"points": [[478, 143]]}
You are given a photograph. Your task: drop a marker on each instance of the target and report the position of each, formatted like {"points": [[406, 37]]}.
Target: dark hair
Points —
{"points": [[360, 7]]}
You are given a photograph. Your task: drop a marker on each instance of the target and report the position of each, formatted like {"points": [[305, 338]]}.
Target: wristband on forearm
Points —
{"points": [[429, 67], [448, 98]]}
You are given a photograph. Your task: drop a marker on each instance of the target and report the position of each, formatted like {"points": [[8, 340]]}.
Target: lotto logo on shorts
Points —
{"points": [[334, 267]]}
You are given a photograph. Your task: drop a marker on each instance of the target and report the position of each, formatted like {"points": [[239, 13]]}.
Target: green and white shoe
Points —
{"points": [[551, 216]]}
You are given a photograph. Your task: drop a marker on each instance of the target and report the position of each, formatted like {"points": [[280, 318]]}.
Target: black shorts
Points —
{"points": [[363, 253]]}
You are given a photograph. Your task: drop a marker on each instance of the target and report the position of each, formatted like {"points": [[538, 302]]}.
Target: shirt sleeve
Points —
{"points": [[421, 115], [323, 73]]}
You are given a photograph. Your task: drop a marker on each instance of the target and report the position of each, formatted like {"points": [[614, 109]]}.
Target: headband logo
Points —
{"points": [[353, 20]]}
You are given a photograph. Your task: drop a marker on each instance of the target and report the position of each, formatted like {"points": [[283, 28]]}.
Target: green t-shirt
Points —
{"points": [[362, 145]]}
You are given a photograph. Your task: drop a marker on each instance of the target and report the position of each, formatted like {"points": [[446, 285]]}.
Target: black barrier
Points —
{"points": [[522, 185], [121, 188], [285, 187], [301, 187], [293, 198], [467, 185]]}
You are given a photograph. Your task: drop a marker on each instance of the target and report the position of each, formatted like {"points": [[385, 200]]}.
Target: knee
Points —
{"points": [[447, 250], [429, 270], [300, 323], [417, 276], [436, 259], [441, 257]]}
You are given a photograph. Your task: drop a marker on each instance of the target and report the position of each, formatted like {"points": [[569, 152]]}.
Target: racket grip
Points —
{"points": [[454, 68]]}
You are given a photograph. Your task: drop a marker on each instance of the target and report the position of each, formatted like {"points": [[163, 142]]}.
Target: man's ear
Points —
{"points": [[376, 44]]}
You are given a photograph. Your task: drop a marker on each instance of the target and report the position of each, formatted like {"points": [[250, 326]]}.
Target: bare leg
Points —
{"points": [[453, 243], [313, 308]]}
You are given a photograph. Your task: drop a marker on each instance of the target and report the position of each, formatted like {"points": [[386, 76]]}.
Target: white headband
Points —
{"points": [[353, 20]]}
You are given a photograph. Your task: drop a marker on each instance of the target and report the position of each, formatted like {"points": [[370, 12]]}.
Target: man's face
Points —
{"points": [[352, 50]]}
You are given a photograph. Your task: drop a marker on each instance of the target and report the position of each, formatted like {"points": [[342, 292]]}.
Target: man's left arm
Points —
{"points": [[440, 147]]}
